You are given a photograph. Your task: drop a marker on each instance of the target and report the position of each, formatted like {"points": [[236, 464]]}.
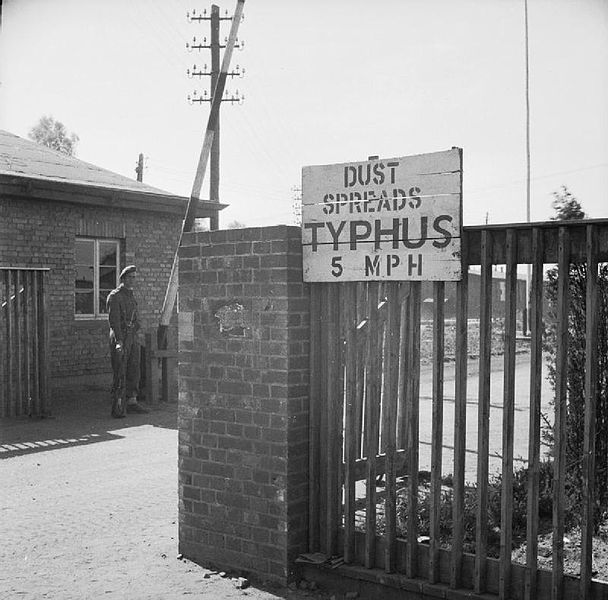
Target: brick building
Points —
{"points": [[84, 224]]}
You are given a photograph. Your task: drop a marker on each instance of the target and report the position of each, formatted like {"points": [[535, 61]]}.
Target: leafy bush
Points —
{"points": [[519, 515]]}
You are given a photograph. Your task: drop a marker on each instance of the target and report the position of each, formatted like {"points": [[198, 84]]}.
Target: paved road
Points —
{"points": [[522, 412], [88, 510]]}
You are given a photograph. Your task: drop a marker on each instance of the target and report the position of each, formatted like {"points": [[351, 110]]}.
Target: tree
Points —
{"points": [[568, 208], [235, 225], [54, 134]]}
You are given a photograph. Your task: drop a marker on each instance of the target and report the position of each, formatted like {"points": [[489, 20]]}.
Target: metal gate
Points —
{"points": [[23, 342]]}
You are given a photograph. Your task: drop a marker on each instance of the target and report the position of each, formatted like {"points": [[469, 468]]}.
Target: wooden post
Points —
{"points": [[214, 162], [17, 306], [508, 420], [151, 369], [314, 419], [591, 380], [483, 411], [536, 376], [43, 347], [350, 447], [437, 428], [460, 429], [372, 417], [561, 394], [27, 292]]}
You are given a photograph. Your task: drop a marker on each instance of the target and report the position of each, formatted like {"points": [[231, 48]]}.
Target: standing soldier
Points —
{"points": [[124, 345]]}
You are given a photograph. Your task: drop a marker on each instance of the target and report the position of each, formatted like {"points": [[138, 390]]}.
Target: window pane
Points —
{"points": [[84, 278], [85, 252], [107, 277], [103, 296], [107, 253], [84, 303]]}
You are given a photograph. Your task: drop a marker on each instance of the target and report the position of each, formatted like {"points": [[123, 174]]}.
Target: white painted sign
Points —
{"points": [[397, 219]]}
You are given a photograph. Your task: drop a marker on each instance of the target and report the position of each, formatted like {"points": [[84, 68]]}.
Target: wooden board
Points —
{"points": [[398, 219]]}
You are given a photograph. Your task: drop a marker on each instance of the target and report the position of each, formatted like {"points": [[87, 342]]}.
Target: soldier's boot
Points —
{"points": [[133, 406]]}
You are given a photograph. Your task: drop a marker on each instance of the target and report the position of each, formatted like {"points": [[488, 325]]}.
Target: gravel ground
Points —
{"points": [[88, 510]]}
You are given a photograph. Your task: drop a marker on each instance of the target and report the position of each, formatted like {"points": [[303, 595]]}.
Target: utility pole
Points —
{"points": [[139, 169], [526, 311], [214, 158], [214, 46]]}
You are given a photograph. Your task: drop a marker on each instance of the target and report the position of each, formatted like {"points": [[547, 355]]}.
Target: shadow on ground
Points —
{"points": [[77, 417]]}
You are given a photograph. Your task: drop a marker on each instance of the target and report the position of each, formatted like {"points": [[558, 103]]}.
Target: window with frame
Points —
{"points": [[97, 270]]}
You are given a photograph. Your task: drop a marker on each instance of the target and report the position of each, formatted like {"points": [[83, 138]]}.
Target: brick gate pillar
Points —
{"points": [[243, 400]]}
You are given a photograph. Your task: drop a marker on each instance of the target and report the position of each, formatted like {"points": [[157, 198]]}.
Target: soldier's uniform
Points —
{"points": [[124, 325]]}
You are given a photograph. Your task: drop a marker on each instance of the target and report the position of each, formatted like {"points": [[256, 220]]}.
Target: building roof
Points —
{"points": [[39, 168]]}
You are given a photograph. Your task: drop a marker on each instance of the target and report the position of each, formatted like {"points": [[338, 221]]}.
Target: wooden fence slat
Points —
{"points": [[325, 392], [351, 435], [7, 408], [12, 388], [437, 429], [460, 429], [3, 375], [314, 476], [17, 306], [36, 349], [413, 434], [152, 371], [561, 384], [334, 405], [362, 326], [27, 291], [536, 376], [45, 392], [483, 408], [402, 420], [591, 379], [391, 382], [508, 419], [372, 413]]}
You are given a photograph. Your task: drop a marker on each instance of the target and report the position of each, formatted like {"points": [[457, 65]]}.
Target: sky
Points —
{"points": [[325, 82]]}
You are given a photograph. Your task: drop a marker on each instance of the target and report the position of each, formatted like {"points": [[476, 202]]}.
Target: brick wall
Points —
{"points": [[243, 400], [36, 233]]}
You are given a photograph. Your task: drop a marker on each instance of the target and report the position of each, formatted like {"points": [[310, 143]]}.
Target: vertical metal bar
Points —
{"points": [[591, 379], [351, 437], [460, 426], [316, 352], [536, 376], [561, 391], [413, 412], [483, 411], [508, 419], [391, 381], [372, 410], [437, 429]]}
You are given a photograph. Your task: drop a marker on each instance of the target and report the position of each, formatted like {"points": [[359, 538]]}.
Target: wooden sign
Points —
{"points": [[394, 219]]}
